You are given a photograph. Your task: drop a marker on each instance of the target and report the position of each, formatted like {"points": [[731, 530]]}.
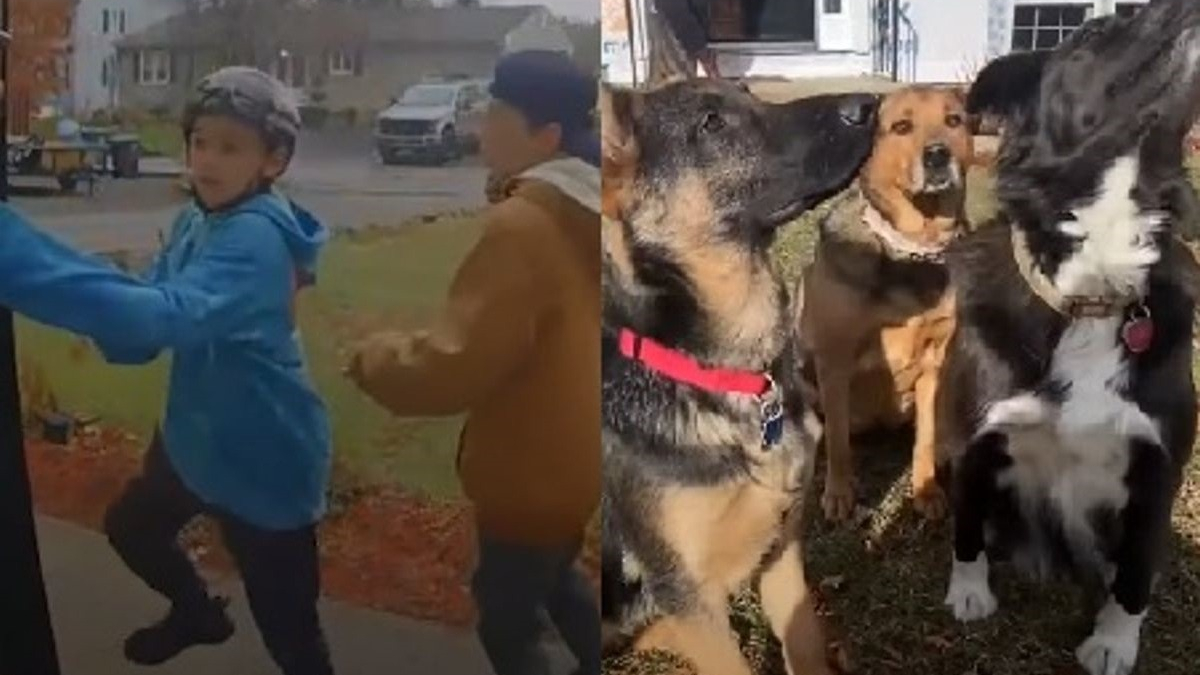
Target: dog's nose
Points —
{"points": [[858, 109], [936, 156]]}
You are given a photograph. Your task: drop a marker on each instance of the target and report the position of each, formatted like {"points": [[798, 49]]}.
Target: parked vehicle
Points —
{"points": [[437, 120]]}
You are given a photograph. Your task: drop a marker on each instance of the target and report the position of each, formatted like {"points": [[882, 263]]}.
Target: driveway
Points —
{"points": [[95, 602], [335, 175]]}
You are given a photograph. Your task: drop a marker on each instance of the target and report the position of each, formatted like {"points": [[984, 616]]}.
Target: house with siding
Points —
{"points": [[96, 27], [932, 41], [347, 56]]}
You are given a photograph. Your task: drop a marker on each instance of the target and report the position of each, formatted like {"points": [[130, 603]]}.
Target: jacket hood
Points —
{"points": [[303, 232], [573, 177]]}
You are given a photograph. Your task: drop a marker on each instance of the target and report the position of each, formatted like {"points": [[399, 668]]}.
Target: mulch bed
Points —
{"points": [[380, 548]]}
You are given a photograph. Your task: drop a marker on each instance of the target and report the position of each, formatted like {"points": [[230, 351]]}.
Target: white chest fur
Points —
{"points": [[1073, 456]]}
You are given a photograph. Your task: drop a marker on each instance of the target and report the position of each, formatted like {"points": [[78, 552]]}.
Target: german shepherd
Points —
{"points": [[1067, 401], [879, 312], [707, 442]]}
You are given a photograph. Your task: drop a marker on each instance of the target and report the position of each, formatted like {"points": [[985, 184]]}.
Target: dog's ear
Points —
{"points": [[1007, 84], [619, 111], [619, 108]]}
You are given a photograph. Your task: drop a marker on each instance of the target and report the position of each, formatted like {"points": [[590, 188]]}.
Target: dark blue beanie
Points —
{"points": [[547, 87]]}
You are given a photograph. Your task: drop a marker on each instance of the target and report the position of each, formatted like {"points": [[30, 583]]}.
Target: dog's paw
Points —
{"points": [[930, 501], [1107, 655], [970, 597], [1112, 648], [1022, 410], [838, 501]]}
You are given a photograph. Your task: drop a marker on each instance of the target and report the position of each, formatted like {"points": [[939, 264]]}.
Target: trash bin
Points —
{"points": [[126, 152]]}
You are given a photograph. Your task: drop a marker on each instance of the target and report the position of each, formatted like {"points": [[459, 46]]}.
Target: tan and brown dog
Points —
{"points": [[875, 311]]}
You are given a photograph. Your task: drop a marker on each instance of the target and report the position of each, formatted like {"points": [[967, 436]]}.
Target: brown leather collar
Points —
{"points": [[899, 247], [1074, 306]]}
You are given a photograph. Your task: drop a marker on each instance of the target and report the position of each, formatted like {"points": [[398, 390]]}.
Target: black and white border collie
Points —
{"points": [[1066, 403]]}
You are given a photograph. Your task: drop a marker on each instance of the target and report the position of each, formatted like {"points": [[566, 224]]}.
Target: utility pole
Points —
{"points": [[26, 633]]}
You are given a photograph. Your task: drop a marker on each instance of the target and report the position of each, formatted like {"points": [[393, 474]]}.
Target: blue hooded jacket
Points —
{"points": [[245, 429]]}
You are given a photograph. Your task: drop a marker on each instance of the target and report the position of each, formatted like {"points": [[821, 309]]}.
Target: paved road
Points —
{"points": [[335, 175], [95, 603]]}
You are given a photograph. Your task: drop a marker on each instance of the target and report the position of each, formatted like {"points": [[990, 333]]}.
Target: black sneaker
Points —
{"points": [[183, 627]]}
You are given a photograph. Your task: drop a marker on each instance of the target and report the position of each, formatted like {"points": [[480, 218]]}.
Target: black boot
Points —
{"points": [[186, 625]]}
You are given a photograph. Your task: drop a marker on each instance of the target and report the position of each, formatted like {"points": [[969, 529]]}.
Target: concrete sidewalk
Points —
{"points": [[96, 602]]}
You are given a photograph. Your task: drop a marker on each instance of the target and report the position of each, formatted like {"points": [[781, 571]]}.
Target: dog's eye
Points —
{"points": [[712, 122], [954, 120], [902, 127]]}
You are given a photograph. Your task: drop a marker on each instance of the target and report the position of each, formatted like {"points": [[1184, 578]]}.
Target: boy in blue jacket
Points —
{"points": [[246, 437]]}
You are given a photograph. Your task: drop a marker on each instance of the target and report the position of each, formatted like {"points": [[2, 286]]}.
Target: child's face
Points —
{"points": [[509, 145], [229, 159]]}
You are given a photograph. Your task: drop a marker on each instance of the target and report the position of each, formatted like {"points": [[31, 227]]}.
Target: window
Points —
{"points": [[104, 73], [766, 20], [1128, 9], [1044, 26], [153, 67], [122, 22], [429, 95], [831, 6], [104, 22], [343, 62]]}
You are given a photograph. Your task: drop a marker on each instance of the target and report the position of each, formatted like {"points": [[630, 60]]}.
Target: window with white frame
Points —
{"points": [[831, 7], [1128, 9], [1044, 25], [343, 62], [153, 67]]}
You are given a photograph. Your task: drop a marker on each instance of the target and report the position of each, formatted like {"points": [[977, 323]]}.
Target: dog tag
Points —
{"points": [[772, 423], [1138, 331]]}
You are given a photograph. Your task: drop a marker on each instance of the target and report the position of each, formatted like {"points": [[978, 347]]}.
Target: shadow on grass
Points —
{"points": [[892, 576], [882, 581]]}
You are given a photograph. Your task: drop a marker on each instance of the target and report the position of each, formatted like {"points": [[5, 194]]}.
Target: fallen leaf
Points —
{"points": [[939, 642], [833, 583]]}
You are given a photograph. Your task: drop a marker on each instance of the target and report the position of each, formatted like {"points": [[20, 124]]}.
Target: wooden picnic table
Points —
{"points": [[68, 162]]}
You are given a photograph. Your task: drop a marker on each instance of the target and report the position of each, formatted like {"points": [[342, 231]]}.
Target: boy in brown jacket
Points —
{"points": [[517, 348]]}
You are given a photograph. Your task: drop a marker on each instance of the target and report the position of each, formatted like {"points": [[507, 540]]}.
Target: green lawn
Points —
{"points": [[161, 137], [394, 277], [884, 578]]}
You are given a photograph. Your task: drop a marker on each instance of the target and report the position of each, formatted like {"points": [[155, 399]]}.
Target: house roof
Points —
{"points": [[451, 24], [415, 25]]}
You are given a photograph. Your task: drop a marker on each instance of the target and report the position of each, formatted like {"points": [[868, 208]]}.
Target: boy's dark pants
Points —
{"points": [[279, 569], [512, 585]]}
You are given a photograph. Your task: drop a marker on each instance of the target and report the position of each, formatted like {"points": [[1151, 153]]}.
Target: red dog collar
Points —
{"points": [[683, 368]]}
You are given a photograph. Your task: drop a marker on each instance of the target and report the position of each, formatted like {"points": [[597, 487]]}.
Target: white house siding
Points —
{"points": [[793, 64], [952, 39], [93, 48], [948, 39]]}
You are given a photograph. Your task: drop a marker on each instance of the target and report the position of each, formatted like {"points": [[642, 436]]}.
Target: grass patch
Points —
{"points": [[883, 580], [395, 277], [161, 138]]}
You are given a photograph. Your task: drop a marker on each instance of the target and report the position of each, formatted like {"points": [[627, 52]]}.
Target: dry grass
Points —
{"points": [[882, 581]]}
